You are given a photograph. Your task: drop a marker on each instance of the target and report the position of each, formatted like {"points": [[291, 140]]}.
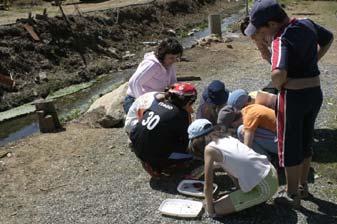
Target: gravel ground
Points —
{"points": [[86, 175]]}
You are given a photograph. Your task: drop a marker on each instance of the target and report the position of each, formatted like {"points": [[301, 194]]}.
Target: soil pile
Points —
{"points": [[78, 48]]}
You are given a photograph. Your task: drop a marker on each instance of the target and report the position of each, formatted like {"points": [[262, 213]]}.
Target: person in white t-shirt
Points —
{"points": [[256, 176]]}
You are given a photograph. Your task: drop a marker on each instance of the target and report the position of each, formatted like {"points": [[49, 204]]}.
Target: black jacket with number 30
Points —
{"points": [[162, 130]]}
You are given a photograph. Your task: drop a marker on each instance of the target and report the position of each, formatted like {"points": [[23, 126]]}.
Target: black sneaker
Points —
{"points": [[284, 198]]}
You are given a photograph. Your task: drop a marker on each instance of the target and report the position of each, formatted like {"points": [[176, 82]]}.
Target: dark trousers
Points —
{"points": [[128, 101]]}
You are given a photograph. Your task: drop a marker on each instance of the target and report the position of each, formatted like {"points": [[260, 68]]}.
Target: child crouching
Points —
{"points": [[256, 176]]}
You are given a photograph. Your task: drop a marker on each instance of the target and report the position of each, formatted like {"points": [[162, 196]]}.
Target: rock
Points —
{"points": [[230, 46], [185, 59], [127, 66], [169, 32], [228, 40], [233, 35], [114, 53], [150, 43], [128, 55], [2, 165], [35, 93], [4, 154], [108, 111], [43, 76], [206, 41], [190, 33]]}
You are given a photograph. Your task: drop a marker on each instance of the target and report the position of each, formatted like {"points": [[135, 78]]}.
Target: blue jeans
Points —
{"points": [[264, 140], [128, 101]]}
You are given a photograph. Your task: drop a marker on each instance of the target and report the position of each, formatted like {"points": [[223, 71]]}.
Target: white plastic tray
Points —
{"points": [[181, 208], [193, 188]]}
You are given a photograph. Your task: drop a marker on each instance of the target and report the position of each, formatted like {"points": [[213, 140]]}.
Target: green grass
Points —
{"points": [[74, 114], [70, 90], [17, 111]]}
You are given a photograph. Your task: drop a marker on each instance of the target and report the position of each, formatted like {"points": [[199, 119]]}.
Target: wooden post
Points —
{"points": [[6, 81], [246, 4], [48, 120], [214, 24], [46, 123]]}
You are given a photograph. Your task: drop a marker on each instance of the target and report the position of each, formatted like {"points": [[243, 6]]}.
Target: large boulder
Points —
{"points": [[108, 111]]}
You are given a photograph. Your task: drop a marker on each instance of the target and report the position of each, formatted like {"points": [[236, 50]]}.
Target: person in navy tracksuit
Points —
{"points": [[297, 46]]}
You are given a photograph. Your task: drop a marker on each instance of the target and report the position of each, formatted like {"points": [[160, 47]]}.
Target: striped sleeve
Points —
{"points": [[279, 58]]}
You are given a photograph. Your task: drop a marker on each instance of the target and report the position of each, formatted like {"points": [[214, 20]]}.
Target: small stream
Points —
{"points": [[80, 101]]}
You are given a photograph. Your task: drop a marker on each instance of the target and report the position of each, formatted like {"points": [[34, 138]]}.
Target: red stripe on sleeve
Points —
{"points": [[276, 52]]}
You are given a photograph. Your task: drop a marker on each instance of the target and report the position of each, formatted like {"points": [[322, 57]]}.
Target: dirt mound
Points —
{"points": [[79, 48]]}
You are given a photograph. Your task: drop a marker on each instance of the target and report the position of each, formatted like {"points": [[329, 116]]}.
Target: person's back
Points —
{"points": [[243, 163], [256, 176], [258, 116], [162, 129], [160, 138], [141, 104], [299, 38]]}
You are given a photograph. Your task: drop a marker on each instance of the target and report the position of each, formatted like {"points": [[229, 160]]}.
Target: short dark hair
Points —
{"points": [[168, 46], [179, 100], [197, 146]]}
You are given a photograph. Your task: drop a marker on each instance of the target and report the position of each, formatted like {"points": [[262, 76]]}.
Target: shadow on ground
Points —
{"points": [[263, 213], [169, 184], [325, 146], [325, 152], [326, 212]]}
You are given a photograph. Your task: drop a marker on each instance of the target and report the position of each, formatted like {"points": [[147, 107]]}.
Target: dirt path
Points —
{"points": [[86, 175], [8, 17]]}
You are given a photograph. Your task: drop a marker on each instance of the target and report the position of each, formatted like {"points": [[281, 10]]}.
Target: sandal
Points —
{"points": [[303, 191]]}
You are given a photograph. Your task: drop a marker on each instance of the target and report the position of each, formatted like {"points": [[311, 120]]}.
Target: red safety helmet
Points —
{"points": [[183, 89], [182, 93]]}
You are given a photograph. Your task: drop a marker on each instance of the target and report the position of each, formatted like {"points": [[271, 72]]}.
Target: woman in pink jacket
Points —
{"points": [[155, 72]]}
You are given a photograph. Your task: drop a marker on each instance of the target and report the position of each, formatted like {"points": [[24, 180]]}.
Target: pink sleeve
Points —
{"points": [[143, 75]]}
